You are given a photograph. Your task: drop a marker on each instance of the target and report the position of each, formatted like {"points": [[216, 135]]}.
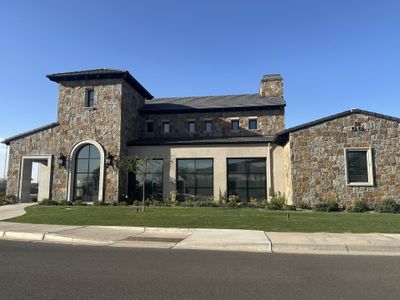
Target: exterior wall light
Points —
{"points": [[61, 159], [109, 159]]}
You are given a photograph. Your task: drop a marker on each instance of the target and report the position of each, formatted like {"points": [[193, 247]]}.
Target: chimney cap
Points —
{"points": [[272, 77]]}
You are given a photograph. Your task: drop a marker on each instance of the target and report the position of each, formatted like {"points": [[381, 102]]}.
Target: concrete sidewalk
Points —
{"points": [[205, 239], [13, 210]]}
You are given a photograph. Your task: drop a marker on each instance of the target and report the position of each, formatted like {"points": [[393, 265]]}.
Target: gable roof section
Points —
{"points": [[101, 74], [30, 132], [283, 136], [211, 103]]}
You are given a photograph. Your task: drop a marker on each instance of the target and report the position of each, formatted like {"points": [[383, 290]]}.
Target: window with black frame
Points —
{"points": [[247, 178], [359, 166], [194, 178], [154, 181], [87, 173]]}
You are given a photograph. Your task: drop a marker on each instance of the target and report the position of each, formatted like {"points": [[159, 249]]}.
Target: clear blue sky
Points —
{"points": [[333, 55]]}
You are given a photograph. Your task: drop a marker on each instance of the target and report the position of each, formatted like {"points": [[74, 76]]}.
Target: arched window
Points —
{"points": [[87, 173]]}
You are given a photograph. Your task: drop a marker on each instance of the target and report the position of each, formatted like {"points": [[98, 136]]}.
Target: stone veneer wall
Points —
{"points": [[317, 160], [77, 123], [269, 123]]}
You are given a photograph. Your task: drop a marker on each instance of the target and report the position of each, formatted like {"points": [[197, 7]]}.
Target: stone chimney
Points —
{"points": [[271, 86]]}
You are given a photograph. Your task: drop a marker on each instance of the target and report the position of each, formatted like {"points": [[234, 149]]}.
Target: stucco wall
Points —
{"points": [[318, 165], [219, 153]]}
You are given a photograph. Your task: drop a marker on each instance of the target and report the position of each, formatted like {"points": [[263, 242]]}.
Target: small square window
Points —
{"points": [[208, 126], [191, 126], [359, 166], [252, 124], [89, 98], [149, 127], [166, 127], [234, 124]]}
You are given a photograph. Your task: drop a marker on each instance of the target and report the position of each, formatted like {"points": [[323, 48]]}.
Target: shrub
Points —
{"points": [[359, 206], [47, 201], [99, 203], [122, 203], [64, 203], [136, 203], [233, 201], [303, 205], [388, 206], [289, 207], [327, 206], [79, 203], [276, 203], [7, 199], [255, 203]]}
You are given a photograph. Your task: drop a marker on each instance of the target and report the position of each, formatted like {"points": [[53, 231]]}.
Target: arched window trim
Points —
{"points": [[71, 171]]}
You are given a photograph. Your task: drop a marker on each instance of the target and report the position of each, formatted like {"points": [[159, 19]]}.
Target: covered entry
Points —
{"points": [[44, 177]]}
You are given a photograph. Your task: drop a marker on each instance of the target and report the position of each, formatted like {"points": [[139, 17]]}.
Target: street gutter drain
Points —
{"points": [[153, 239]]}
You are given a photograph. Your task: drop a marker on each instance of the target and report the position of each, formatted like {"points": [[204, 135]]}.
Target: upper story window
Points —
{"points": [[191, 126], [235, 124], [89, 98], [253, 124], [166, 127], [359, 166], [208, 125], [149, 127]]}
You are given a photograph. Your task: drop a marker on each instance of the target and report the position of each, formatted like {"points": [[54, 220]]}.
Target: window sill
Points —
{"points": [[355, 184], [90, 108]]}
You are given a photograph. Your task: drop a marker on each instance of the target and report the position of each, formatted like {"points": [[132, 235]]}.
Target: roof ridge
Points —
{"points": [[180, 97]]}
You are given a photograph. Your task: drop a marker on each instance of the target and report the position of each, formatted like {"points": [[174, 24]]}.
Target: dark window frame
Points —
{"points": [[196, 187], [89, 101], [238, 125], [132, 176], [188, 123], [265, 187], [147, 128], [250, 122], [211, 124], [369, 167], [169, 127]]}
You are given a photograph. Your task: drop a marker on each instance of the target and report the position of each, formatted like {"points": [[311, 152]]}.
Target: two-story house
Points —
{"points": [[204, 147]]}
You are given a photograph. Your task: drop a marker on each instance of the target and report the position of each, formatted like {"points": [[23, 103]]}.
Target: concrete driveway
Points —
{"points": [[13, 210]]}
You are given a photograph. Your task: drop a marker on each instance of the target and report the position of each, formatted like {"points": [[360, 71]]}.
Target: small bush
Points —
{"points": [[136, 203], [7, 199], [289, 207], [64, 203], [388, 206], [358, 206], [327, 206], [255, 203], [122, 203], [48, 202], [79, 203], [276, 203], [303, 205], [100, 203], [233, 201]]}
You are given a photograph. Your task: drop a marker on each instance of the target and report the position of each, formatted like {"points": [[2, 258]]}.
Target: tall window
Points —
{"points": [[208, 125], [247, 178], [153, 184], [87, 173], [195, 177], [89, 98], [166, 127], [191, 126], [359, 166]]}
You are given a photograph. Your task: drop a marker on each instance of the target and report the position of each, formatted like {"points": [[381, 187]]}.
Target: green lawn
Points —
{"points": [[244, 218]]}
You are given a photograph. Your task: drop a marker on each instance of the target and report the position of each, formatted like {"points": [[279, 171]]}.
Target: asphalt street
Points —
{"points": [[48, 271]]}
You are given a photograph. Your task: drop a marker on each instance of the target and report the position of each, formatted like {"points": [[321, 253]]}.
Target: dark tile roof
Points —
{"points": [[211, 103], [201, 141], [101, 74], [282, 137], [30, 132]]}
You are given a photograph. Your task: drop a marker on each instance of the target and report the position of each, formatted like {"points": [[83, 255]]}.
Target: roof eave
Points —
{"points": [[27, 133]]}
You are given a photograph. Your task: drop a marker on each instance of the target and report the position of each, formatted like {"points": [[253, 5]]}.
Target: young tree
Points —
{"points": [[132, 164]]}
